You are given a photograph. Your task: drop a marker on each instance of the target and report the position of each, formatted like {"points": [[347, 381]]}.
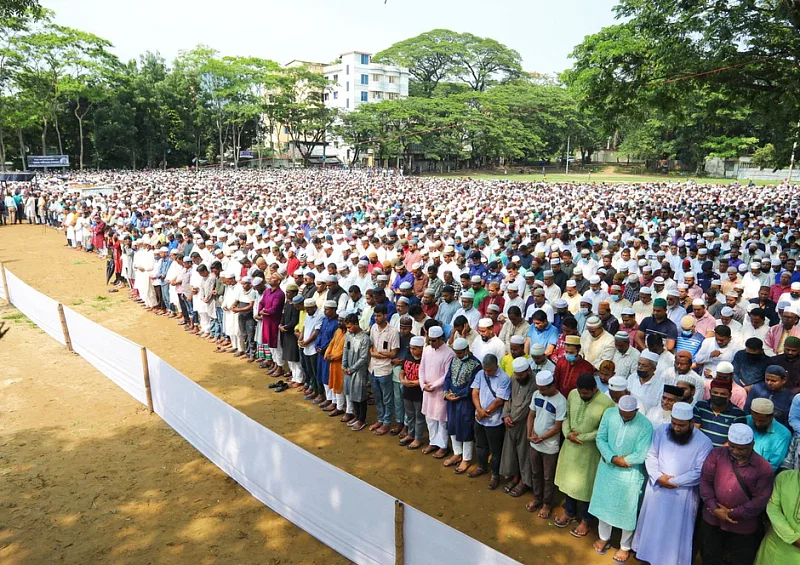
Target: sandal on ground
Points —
{"points": [[276, 385], [533, 505], [575, 533], [619, 561], [429, 449], [494, 482], [562, 522], [518, 490], [454, 460], [477, 472], [606, 547], [511, 485]]}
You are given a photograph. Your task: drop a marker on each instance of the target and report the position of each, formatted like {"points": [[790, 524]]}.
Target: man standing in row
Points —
{"points": [[674, 464]]}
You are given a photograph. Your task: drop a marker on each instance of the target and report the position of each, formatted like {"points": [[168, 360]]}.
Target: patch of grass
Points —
{"points": [[18, 316], [595, 178], [99, 298], [79, 262], [77, 302]]}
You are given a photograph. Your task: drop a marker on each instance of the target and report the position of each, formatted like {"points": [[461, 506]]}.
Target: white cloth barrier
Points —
{"points": [[345, 513], [40, 308], [428, 540], [116, 357], [3, 290]]}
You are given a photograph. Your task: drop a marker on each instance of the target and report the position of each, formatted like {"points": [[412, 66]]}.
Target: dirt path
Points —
{"points": [[88, 476], [38, 257]]}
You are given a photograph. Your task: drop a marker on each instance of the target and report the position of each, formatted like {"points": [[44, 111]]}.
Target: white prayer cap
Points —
{"points": [[725, 367], [617, 383], [548, 273], [520, 365], [537, 349], [383, 277], [755, 265], [517, 339], [187, 258], [674, 293], [309, 302], [468, 294], [163, 250], [543, 378], [493, 308], [459, 344], [762, 406], [594, 280], [740, 434], [577, 271], [646, 290], [530, 274], [628, 403], [727, 311], [257, 281], [436, 331], [402, 300], [658, 280], [593, 322], [795, 286], [698, 302], [627, 312], [683, 411], [571, 283], [419, 341], [485, 323], [330, 304], [555, 261], [247, 279], [650, 356], [475, 279], [586, 299]]}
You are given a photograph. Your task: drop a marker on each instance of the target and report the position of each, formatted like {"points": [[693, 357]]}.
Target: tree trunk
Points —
{"points": [[58, 134], [44, 137], [2, 151], [22, 150], [80, 137]]}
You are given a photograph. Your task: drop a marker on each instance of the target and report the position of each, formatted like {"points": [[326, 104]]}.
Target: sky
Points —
{"points": [[544, 32]]}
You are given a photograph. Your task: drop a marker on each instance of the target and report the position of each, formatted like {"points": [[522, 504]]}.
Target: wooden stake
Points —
{"points": [[5, 282], [399, 546], [64, 329], [146, 372]]}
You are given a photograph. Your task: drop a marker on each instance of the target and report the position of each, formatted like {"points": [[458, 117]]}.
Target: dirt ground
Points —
{"points": [[87, 475], [180, 508]]}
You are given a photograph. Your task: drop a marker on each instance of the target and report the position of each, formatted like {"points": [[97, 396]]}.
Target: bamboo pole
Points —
{"points": [[64, 329], [146, 372], [5, 282], [399, 546]]}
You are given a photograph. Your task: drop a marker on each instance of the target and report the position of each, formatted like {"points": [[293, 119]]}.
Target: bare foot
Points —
{"points": [[545, 512]]}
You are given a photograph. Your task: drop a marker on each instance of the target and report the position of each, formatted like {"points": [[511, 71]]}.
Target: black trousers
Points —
{"points": [[309, 365], [721, 547], [360, 411], [489, 441]]}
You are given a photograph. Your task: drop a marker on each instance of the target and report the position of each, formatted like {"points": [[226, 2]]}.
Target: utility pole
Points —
{"points": [[568, 154]]}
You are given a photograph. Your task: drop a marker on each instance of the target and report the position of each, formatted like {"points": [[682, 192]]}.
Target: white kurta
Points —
{"points": [[666, 521], [143, 262]]}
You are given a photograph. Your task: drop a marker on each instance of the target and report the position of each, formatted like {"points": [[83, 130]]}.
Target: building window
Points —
{"points": [[326, 96], [364, 59], [364, 79], [377, 95], [347, 103], [347, 70], [391, 95], [376, 78], [336, 78], [364, 95], [391, 80], [347, 86], [285, 129], [335, 95]]}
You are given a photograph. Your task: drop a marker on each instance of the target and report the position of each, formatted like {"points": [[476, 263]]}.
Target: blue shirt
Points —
{"points": [[773, 444], [666, 328], [548, 336], [491, 388], [716, 426], [408, 277], [691, 343], [749, 369], [794, 414]]}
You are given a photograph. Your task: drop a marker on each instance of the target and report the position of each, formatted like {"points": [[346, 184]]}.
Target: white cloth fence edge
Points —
{"points": [[350, 516]]}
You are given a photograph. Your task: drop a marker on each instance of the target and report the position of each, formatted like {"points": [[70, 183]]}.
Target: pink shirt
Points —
{"points": [[432, 370]]}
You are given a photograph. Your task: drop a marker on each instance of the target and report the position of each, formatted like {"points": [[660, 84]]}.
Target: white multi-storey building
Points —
{"points": [[355, 79]]}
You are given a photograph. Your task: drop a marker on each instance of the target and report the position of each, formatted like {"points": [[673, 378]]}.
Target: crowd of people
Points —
{"points": [[634, 347]]}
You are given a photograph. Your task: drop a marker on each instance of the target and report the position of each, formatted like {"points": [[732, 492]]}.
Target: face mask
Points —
{"points": [[614, 298], [718, 400], [795, 294], [571, 357], [585, 311], [687, 333], [643, 374]]}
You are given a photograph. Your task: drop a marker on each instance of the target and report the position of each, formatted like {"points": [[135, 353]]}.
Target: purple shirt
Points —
{"points": [[719, 486]]}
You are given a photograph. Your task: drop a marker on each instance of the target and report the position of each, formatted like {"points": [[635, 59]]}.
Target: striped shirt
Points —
{"points": [[691, 344], [715, 426]]}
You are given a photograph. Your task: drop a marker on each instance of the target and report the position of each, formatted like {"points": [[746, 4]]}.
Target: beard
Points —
{"points": [[680, 439]]}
